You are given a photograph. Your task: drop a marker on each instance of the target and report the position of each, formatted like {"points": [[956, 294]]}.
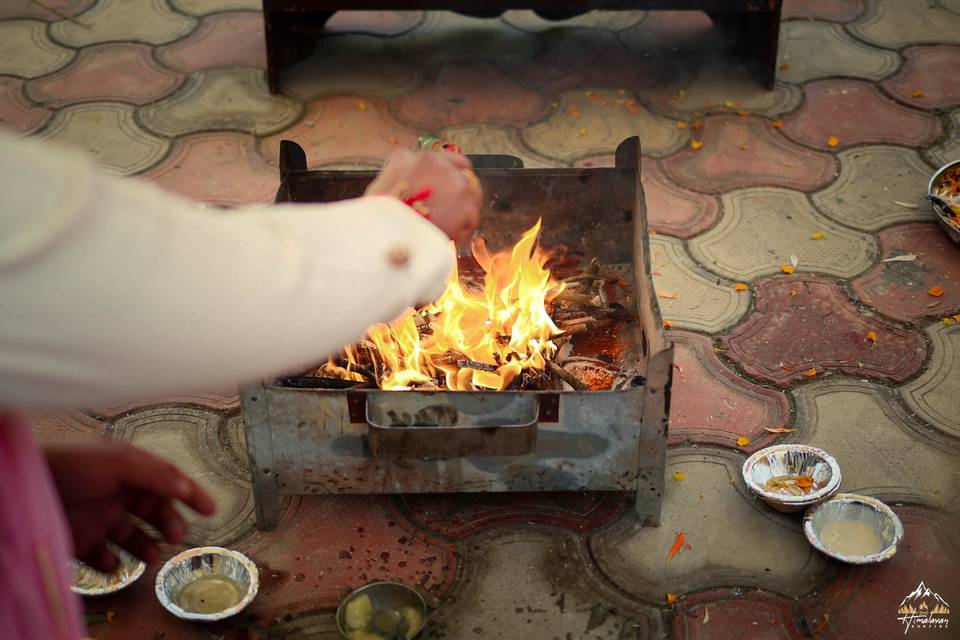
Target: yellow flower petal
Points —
{"points": [[833, 141], [696, 144], [679, 477], [872, 336], [741, 287], [743, 441], [809, 373], [776, 124], [361, 105], [818, 235], [786, 268]]}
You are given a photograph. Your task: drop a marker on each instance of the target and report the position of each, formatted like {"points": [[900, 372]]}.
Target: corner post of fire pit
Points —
{"points": [[263, 472], [659, 350]]}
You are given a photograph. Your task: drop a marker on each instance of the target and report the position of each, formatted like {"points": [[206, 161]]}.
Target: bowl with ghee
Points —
{"points": [[854, 529], [207, 583], [87, 581], [382, 611], [792, 477]]}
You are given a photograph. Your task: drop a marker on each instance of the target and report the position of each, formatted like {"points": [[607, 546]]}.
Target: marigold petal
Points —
{"points": [[936, 291]]}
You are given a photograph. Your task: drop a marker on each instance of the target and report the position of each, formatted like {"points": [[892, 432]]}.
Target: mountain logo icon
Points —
{"points": [[923, 608]]}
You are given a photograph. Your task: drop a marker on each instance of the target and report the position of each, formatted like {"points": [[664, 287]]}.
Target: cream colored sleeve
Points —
{"points": [[112, 290]]}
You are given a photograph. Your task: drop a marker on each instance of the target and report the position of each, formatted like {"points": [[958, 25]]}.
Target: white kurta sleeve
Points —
{"points": [[112, 290]]}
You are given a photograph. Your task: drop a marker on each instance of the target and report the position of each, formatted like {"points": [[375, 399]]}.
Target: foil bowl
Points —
{"points": [[87, 581], [789, 459], [384, 596], [849, 506], [944, 215], [189, 565]]}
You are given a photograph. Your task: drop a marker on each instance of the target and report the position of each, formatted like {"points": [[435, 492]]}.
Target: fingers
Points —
{"points": [[142, 471], [101, 559], [160, 515], [135, 541]]}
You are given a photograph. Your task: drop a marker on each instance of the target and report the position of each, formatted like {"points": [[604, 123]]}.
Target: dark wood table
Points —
{"points": [[753, 26]]}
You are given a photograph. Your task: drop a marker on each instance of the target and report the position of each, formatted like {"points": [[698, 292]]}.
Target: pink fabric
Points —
{"points": [[35, 600]]}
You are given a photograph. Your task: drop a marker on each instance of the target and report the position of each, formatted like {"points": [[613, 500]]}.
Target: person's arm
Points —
{"points": [[113, 290]]}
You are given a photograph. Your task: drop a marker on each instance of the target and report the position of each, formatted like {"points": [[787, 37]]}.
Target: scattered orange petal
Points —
{"points": [[809, 373], [667, 324], [818, 235], [776, 124], [872, 336], [671, 599], [957, 317], [793, 293], [743, 113], [110, 616], [823, 625], [696, 124], [573, 111], [743, 441], [833, 141], [936, 291], [743, 147], [581, 132], [786, 268], [666, 294], [361, 105], [696, 144], [741, 287], [917, 93], [677, 545], [681, 124], [784, 66], [779, 429]]}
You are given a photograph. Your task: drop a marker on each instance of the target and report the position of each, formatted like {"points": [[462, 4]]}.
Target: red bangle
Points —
{"points": [[415, 202]]}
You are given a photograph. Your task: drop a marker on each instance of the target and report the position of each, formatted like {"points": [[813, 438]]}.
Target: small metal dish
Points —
{"points": [[87, 581], [849, 506], [940, 207], [384, 596], [799, 459], [189, 565]]}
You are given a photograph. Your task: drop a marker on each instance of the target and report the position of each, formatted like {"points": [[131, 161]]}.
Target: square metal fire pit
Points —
{"points": [[304, 440]]}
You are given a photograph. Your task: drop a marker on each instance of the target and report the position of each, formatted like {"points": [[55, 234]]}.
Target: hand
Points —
{"points": [[455, 196], [102, 482]]}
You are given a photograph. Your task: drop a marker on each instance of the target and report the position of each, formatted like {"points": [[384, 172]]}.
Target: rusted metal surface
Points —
{"points": [[305, 440]]}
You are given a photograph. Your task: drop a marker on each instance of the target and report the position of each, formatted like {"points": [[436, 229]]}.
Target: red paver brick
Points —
{"points": [[856, 112], [720, 615], [344, 129], [376, 23], [862, 602], [899, 289], [220, 40], [225, 401], [327, 546], [713, 405], [457, 516], [17, 114], [54, 426], [833, 10], [470, 93], [124, 72], [745, 151], [806, 323], [933, 72], [50, 10], [219, 168]]}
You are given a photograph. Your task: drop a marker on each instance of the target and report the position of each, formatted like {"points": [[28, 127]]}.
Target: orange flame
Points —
{"points": [[505, 326]]}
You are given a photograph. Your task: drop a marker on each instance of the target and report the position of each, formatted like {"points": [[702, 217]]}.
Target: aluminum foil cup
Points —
{"points": [[87, 581], [187, 566], [784, 459], [388, 596], [943, 216], [849, 506]]}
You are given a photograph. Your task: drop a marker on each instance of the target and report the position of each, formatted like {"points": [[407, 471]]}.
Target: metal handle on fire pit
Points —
{"points": [[437, 426]]}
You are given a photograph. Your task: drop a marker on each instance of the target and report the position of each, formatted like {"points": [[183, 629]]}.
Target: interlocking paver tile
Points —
{"points": [[673, 209], [931, 71], [48, 10], [222, 402], [220, 40], [934, 395], [894, 23], [722, 614], [218, 168], [881, 451], [55, 426], [948, 149], [899, 289], [596, 121], [335, 130], [951, 5], [833, 10], [467, 93], [609, 20], [446, 37], [17, 114], [871, 436], [719, 81], [149, 21], [713, 405], [820, 49], [700, 303], [375, 23], [856, 112], [108, 132], [457, 516], [124, 72], [872, 181], [347, 65], [27, 51], [537, 583], [491, 138], [673, 32], [763, 229], [766, 548], [326, 546], [746, 151], [191, 438], [234, 99], [204, 7], [804, 324], [862, 602]]}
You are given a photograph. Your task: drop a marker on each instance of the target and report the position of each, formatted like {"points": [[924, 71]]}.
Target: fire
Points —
{"points": [[503, 329]]}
